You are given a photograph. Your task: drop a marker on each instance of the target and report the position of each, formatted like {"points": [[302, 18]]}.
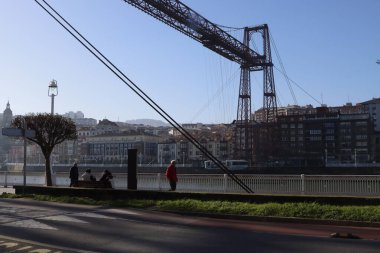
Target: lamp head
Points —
{"points": [[53, 88]]}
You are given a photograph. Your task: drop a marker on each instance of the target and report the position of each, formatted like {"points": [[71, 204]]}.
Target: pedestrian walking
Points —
{"points": [[74, 174], [171, 175]]}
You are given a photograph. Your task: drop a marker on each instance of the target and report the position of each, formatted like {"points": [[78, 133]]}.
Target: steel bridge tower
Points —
{"points": [[244, 122]]}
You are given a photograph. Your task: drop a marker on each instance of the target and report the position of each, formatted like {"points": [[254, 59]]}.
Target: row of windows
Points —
{"points": [[361, 137], [315, 131], [345, 140], [330, 124], [292, 132], [357, 123], [315, 138], [312, 132], [361, 143], [291, 125], [119, 148]]}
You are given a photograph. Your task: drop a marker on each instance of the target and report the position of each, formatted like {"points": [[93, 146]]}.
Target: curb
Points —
{"points": [[278, 219]]}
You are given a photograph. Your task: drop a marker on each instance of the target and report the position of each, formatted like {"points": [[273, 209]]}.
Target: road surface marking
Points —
{"points": [[23, 248], [121, 211], [30, 223], [8, 244], [40, 251], [62, 218], [93, 215]]}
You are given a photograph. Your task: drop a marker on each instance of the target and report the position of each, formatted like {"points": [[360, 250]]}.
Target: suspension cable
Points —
{"points": [[283, 68], [287, 78], [107, 63], [300, 87]]}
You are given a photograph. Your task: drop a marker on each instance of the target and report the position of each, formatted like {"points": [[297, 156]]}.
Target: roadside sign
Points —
{"points": [[18, 132], [9, 131], [30, 133]]}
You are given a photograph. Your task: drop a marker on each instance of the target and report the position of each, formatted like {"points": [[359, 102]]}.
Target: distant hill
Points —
{"points": [[148, 122]]}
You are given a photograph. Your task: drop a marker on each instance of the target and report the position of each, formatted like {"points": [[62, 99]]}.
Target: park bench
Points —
{"points": [[90, 184]]}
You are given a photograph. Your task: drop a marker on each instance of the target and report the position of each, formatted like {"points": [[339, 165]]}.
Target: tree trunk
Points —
{"points": [[48, 171]]}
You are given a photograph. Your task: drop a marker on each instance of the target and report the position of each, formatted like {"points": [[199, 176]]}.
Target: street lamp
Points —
{"points": [[24, 126], [52, 92]]}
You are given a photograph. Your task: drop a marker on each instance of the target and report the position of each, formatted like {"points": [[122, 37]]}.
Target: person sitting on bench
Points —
{"points": [[87, 176], [106, 179]]}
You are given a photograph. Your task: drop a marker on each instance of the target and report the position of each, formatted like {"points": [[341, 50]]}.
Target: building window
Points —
{"points": [[346, 137], [315, 138], [361, 123], [330, 138], [315, 131], [361, 137], [361, 143], [345, 131]]}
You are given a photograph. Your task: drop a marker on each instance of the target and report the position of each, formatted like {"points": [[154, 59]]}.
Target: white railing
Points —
{"points": [[356, 185]]}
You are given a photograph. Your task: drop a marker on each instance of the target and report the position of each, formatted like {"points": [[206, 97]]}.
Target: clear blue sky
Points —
{"points": [[329, 47]]}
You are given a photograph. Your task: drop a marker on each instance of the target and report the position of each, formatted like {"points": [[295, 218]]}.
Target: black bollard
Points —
{"points": [[132, 165]]}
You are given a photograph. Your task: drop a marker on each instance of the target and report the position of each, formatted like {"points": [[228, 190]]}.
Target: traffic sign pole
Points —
{"points": [[18, 132]]}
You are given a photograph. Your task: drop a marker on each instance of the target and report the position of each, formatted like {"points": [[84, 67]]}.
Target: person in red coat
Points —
{"points": [[171, 175]]}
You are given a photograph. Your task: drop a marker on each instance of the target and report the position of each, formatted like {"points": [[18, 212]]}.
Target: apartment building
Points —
{"points": [[324, 138]]}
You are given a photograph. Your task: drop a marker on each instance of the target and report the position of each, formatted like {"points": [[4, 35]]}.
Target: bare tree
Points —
{"points": [[50, 131]]}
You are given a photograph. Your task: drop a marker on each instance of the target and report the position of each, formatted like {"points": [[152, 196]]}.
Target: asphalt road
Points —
{"points": [[32, 226]]}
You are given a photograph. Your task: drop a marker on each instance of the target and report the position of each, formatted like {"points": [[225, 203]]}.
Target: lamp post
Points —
{"points": [[52, 92], [24, 126]]}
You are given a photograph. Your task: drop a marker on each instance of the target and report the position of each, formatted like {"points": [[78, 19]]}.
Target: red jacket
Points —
{"points": [[171, 173]]}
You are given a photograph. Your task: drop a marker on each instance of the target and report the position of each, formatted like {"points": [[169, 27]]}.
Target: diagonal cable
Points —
{"points": [[94, 51]]}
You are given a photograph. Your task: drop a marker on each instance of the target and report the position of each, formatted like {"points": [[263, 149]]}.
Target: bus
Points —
{"points": [[236, 164]]}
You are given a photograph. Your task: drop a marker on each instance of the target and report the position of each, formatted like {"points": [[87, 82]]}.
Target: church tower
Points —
{"points": [[7, 116]]}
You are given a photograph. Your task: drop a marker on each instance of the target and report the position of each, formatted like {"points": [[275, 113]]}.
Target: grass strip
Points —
{"points": [[290, 210]]}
